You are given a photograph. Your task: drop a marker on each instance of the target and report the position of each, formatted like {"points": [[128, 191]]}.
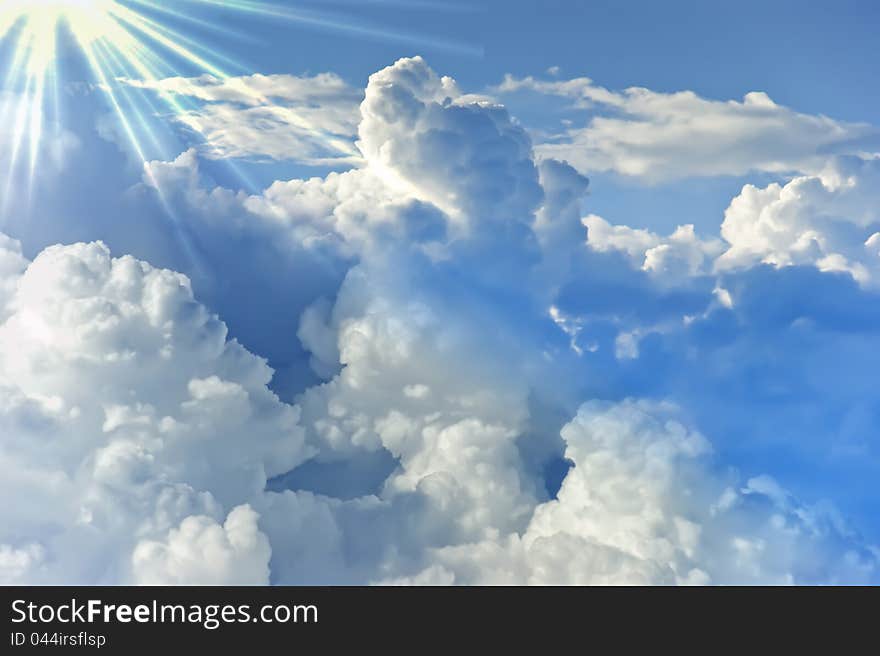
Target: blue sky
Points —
{"points": [[718, 51], [502, 292]]}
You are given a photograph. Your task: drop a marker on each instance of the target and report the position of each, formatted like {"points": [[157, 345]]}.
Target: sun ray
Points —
{"points": [[114, 38], [129, 40]]}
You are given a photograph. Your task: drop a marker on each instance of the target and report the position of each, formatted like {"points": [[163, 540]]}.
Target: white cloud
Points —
{"points": [[311, 120], [254, 90], [17, 564], [469, 159], [202, 552], [12, 263], [140, 438], [124, 410], [659, 137], [405, 193], [830, 220], [670, 259], [640, 505], [455, 438]]}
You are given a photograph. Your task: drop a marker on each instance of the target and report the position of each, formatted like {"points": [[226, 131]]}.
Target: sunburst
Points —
{"points": [[116, 38], [125, 40]]}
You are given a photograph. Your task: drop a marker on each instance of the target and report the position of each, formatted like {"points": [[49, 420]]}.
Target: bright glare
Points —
{"points": [[116, 39], [43, 16]]}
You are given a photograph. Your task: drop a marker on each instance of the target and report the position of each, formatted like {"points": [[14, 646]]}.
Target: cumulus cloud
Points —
{"points": [[124, 410], [202, 552], [670, 259], [659, 137], [773, 317], [452, 428], [640, 506], [830, 220], [455, 276], [400, 391], [413, 128], [296, 239], [311, 119]]}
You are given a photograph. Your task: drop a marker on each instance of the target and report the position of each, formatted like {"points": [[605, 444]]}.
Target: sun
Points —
{"points": [[117, 38], [41, 19]]}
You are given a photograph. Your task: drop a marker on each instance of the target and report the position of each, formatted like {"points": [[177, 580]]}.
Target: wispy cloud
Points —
{"points": [[310, 119], [658, 137]]}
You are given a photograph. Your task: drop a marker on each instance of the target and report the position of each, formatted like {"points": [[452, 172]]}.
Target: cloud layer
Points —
{"points": [[466, 397], [665, 136]]}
